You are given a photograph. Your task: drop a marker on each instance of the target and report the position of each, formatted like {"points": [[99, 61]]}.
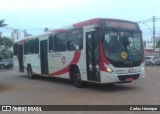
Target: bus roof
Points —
{"points": [[94, 21], [97, 21]]}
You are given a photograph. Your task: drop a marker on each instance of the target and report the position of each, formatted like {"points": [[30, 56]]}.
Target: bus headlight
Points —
{"points": [[142, 70], [109, 70]]}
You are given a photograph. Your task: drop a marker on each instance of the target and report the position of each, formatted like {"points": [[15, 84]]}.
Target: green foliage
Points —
{"points": [[5, 44], [2, 23]]}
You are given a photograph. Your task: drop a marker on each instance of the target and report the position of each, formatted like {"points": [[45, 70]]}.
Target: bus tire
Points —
{"points": [[29, 72], [76, 78]]}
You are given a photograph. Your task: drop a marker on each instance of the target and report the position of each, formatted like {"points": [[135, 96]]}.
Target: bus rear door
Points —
{"points": [[21, 64], [44, 56]]}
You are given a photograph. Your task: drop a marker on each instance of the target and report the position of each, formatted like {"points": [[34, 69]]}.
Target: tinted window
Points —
{"points": [[7, 60], [60, 42], [116, 42], [36, 46], [51, 38], [25, 48], [75, 40], [147, 57], [29, 47], [32, 44]]}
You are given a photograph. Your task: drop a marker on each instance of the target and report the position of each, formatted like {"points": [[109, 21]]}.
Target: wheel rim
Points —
{"points": [[76, 77]]}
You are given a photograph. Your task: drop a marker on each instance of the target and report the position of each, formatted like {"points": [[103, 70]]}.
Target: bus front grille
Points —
{"points": [[125, 77]]}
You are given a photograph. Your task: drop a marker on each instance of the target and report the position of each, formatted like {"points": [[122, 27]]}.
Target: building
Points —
{"points": [[148, 48], [15, 35]]}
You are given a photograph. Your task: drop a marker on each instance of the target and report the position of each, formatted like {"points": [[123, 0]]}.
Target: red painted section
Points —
{"points": [[88, 22], [103, 59], [149, 50], [94, 21], [75, 60]]}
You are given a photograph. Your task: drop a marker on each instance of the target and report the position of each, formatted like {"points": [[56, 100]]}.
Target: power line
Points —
{"points": [[153, 19], [145, 21], [151, 28]]}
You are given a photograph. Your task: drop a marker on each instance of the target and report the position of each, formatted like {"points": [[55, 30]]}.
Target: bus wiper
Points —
{"points": [[124, 39]]}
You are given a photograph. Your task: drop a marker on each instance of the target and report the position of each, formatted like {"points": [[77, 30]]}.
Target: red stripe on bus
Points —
{"points": [[66, 69], [87, 22], [103, 59]]}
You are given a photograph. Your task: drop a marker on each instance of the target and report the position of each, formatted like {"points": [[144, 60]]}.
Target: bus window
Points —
{"points": [[29, 47], [36, 46], [15, 49], [51, 37], [26, 51], [75, 40], [25, 48], [60, 42]]}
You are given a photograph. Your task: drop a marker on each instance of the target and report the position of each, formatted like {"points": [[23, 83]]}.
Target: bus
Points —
{"points": [[99, 50]]}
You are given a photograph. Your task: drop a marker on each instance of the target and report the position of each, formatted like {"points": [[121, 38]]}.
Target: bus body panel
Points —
{"points": [[59, 63], [113, 77]]}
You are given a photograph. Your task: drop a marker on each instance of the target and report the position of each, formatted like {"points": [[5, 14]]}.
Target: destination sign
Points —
{"points": [[119, 24]]}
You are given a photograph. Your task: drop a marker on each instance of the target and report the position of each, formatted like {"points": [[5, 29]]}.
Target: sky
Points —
{"points": [[35, 15]]}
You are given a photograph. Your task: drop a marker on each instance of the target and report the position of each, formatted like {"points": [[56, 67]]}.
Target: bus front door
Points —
{"points": [[92, 56], [44, 57], [21, 64]]}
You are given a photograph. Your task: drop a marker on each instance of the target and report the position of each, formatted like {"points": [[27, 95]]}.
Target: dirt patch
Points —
{"points": [[6, 87]]}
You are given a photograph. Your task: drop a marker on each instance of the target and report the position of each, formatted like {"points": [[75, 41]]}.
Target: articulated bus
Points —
{"points": [[99, 50]]}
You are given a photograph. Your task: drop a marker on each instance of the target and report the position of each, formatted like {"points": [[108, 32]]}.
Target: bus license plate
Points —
{"points": [[129, 79]]}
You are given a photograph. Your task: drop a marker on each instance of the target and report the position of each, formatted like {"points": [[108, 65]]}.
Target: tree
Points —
{"points": [[2, 23], [5, 44]]}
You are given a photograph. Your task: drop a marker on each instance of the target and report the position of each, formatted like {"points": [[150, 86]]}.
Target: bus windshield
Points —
{"points": [[123, 46]]}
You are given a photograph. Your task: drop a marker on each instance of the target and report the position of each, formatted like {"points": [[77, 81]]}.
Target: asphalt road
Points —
{"points": [[18, 89]]}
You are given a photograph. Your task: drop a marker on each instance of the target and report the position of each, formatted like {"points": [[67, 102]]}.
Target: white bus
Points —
{"points": [[99, 50]]}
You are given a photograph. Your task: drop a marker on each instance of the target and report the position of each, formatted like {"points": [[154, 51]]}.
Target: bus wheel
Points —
{"points": [[29, 71], [76, 77]]}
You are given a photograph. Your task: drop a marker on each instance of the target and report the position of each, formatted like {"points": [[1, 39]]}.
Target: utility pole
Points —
{"points": [[153, 19], [154, 34], [154, 31]]}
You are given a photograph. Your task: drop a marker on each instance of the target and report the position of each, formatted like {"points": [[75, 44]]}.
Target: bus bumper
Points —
{"points": [[115, 78]]}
